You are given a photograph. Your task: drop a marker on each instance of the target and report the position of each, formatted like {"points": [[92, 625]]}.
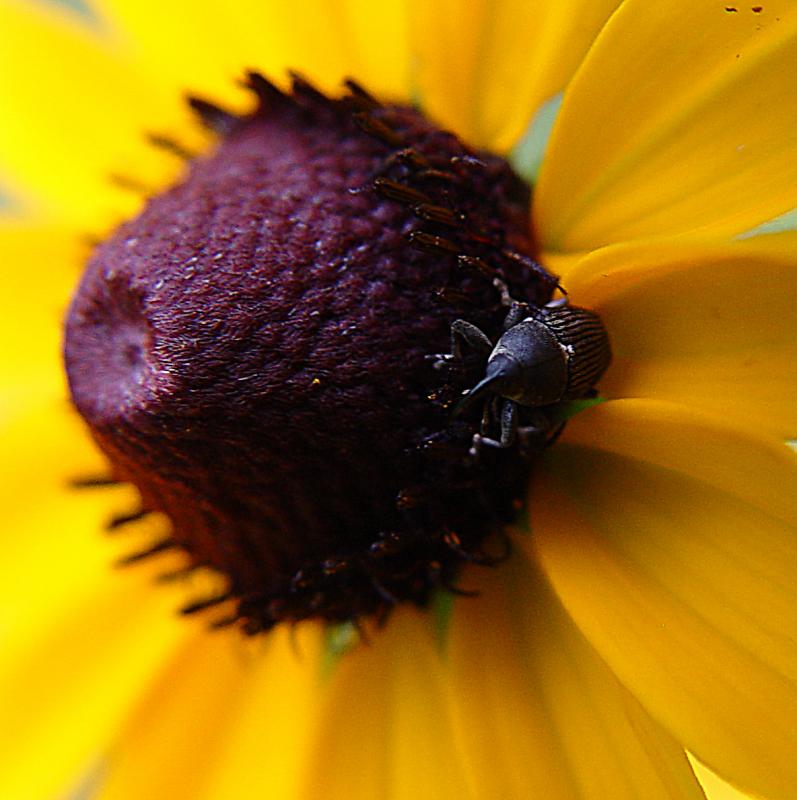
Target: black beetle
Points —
{"points": [[545, 357]]}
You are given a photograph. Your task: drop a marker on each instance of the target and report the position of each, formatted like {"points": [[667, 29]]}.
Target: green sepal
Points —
{"points": [[340, 638], [526, 156], [569, 410], [442, 608]]}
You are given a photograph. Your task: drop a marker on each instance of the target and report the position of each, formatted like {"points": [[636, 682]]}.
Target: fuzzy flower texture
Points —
{"points": [[274, 296]]}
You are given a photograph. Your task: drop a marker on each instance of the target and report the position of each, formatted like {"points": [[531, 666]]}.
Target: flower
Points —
{"points": [[650, 609]]}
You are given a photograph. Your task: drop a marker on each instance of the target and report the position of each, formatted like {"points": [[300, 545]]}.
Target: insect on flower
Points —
{"points": [[544, 358]]}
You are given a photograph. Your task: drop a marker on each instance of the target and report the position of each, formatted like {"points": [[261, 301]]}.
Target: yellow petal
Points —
{"points": [[516, 705], [537, 713], [170, 743], [78, 639], [714, 787], [199, 46], [224, 718], [670, 538], [484, 68], [377, 37], [680, 119], [387, 729], [709, 327], [74, 113], [277, 710], [39, 266]]}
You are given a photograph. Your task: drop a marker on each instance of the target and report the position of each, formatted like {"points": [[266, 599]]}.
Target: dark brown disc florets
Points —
{"points": [[252, 352]]}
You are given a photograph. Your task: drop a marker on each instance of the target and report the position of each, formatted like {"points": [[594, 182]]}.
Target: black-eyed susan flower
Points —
{"points": [[647, 609]]}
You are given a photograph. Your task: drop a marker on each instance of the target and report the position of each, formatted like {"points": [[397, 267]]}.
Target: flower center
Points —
{"points": [[266, 353]]}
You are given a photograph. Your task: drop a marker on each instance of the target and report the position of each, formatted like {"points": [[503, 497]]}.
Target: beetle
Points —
{"points": [[545, 358]]}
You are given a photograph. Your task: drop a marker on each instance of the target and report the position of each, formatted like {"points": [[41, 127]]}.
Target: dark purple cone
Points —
{"points": [[252, 352]]}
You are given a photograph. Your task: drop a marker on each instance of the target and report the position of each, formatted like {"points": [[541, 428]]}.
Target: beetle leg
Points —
{"points": [[465, 335], [503, 290], [516, 313], [480, 441], [517, 309], [509, 424], [509, 428], [489, 413], [533, 438]]}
